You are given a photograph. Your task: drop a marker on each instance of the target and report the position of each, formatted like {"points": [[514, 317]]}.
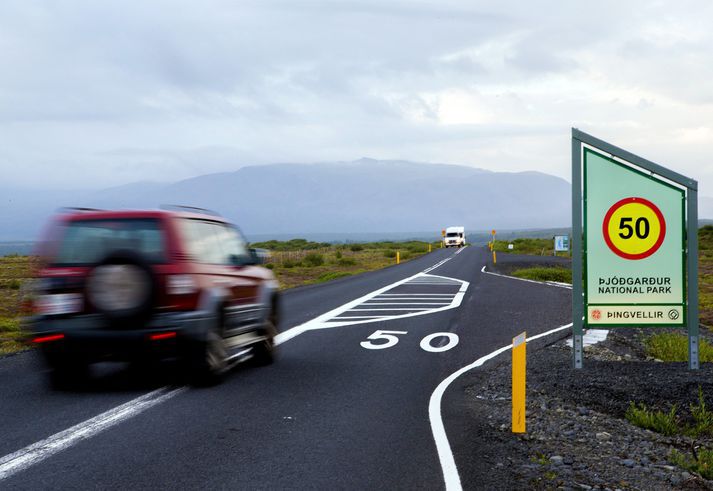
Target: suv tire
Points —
{"points": [[208, 359]]}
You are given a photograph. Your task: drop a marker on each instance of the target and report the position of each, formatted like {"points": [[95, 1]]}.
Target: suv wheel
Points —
{"points": [[264, 351], [209, 359]]}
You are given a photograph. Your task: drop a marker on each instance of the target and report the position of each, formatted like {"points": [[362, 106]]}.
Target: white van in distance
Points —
{"points": [[455, 237]]}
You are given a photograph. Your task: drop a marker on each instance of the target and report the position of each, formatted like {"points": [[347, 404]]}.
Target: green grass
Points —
{"points": [[15, 271], [562, 275], [534, 247], [332, 275], [700, 462], [667, 346], [10, 335], [290, 245], [658, 421], [316, 265]]}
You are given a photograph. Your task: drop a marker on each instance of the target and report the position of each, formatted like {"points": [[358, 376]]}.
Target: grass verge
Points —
{"points": [[320, 262], [533, 247], [700, 459], [669, 346], [562, 275]]}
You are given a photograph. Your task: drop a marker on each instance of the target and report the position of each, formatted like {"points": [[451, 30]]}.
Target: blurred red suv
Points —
{"points": [[147, 285]]}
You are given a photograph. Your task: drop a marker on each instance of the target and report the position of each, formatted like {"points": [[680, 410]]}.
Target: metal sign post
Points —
{"points": [[634, 243]]}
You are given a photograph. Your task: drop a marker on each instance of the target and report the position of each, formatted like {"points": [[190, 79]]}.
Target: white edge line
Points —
{"points": [[32, 454], [548, 283], [445, 455]]}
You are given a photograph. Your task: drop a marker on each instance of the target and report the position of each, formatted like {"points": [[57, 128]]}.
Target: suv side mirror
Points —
{"points": [[260, 256], [238, 260]]}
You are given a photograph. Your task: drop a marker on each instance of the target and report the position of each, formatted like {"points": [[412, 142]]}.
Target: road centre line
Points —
{"points": [[445, 454], [35, 453], [548, 283]]}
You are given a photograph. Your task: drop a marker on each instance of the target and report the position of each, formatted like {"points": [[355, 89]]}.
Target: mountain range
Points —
{"points": [[365, 195]]}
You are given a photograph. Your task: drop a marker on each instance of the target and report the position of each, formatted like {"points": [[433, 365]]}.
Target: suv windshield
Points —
{"points": [[89, 241], [452, 234]]}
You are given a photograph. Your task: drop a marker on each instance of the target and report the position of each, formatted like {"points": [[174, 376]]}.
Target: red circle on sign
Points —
{"points": [[614, 208]]}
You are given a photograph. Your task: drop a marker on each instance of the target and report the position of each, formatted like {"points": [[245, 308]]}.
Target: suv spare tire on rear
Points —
{"points": [[122, 287]]}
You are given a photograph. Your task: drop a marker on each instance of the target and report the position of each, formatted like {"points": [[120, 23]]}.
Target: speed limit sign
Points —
{"points": [[634, 244], [634, 228]]}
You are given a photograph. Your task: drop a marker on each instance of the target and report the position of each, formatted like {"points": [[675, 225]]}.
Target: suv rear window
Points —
{"points": [[89, 241]]}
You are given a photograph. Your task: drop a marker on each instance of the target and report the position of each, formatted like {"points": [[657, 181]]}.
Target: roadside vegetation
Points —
{"points": [[561, 275], [532, 247], [300, 262], [697, 429], [673, 346], [15, 271]]}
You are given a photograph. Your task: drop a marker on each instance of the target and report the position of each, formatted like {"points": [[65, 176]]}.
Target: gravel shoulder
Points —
{"points": [[577, 436]]}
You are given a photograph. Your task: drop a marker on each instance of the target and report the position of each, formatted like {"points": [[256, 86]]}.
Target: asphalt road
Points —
{"points": [[330, 413]]}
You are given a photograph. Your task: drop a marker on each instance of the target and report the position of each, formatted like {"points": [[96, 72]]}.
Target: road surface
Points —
{"points": [[336, 410]]}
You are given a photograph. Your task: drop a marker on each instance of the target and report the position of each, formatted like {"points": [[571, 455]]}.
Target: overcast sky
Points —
{"points": [[95, 94]]}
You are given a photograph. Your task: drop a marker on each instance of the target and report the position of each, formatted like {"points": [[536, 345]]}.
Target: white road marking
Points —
{"points": [[452, 342], [372, 303], [387, 310], [37, 452], [445, 455], [548, 283], [591, 336], [33, 454], [334, 318], [417, 294]]}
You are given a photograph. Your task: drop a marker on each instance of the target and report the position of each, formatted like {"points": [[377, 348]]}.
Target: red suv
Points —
{"points": [[146, 285]]}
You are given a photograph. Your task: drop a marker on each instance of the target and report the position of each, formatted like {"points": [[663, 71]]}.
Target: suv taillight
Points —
{"points": [[181, 292]]}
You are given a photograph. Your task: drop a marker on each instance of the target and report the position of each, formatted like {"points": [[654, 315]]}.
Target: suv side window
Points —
{"points": [[213, 243], [203, 241]]}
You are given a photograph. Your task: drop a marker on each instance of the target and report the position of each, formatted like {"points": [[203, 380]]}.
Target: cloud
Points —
{"points": [[97, 94]]}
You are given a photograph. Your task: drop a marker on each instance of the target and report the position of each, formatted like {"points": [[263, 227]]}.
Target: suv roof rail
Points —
{"points": [[205, 211], [68, 209]]}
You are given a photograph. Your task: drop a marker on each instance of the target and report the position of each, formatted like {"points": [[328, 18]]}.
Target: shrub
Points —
{"points": [[563, 275], [338, 254], [332, 275], [389, 253], [313, 259], [701, 463], [356, 247], [290, 264], [13, 284], [702, 417], [668, 346], [346, 261], [658, 421]]}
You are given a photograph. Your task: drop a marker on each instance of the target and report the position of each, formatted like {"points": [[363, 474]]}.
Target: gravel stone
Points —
{"points": [[577, 419]]}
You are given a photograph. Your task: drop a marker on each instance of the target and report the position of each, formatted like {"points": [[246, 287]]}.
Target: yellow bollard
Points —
{"points": [[494, 258], [429, 247], [519, 363], [398, 257]]}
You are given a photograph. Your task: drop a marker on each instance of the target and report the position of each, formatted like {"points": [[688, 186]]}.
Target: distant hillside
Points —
{"points": [[363, 196]]}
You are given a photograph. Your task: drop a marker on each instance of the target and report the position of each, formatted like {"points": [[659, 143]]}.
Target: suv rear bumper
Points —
{"points": [[91, 338]]}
